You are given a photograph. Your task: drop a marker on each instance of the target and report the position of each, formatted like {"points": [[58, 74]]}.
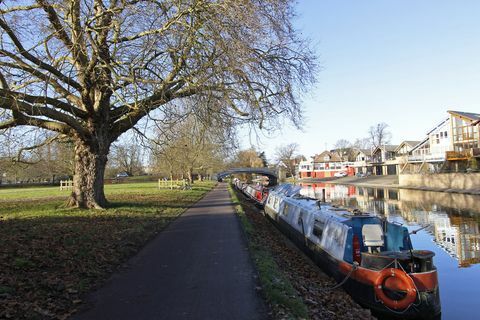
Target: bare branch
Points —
{"points": [[35, 60]]}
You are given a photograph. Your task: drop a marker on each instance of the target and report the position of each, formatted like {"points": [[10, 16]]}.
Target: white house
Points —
{"points": [[430, 153]]}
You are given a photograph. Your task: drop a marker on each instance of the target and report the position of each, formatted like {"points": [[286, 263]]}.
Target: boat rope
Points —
{"points": [[341, 283]]}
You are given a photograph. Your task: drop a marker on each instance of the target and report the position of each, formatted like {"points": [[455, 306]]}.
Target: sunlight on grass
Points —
{"points": [[51, 255]]}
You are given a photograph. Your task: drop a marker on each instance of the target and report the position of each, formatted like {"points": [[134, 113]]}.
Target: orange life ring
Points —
{"points": [[407, 282]]}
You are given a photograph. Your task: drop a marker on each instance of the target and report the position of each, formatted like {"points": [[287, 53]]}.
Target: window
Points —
{"points": [[318, 228], [441, 134], [300, 219], [445, 135]]}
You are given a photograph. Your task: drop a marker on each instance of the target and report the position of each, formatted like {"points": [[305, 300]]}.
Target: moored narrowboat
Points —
{"points": [[372, 258], [257, 192]]}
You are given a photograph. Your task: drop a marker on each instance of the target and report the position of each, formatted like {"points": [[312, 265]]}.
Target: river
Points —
{"points": [[451, 229]]}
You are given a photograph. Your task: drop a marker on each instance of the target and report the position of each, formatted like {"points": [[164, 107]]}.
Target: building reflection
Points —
{"points": [[452, 219]]}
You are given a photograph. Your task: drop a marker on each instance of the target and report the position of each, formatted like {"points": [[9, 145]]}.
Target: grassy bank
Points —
{"points": [[51, 255], [277, 289]]}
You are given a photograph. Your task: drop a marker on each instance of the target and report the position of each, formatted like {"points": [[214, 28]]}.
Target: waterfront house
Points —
{"points": [[403, 151], [476, 153], [327, 163], [384, 161], [305, 168], [430, 153], [405, 147], [465, 135], [363, 159]]}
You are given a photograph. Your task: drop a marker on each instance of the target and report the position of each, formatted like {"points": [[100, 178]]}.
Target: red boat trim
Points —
{"points": [[425, 281]]}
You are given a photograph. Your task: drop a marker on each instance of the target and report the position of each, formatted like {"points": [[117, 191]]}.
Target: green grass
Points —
{"points": [[277, 289], [29, 193], [50, 255]]}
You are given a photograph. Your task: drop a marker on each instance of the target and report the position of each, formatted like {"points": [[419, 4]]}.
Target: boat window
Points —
{"points": [[285, 209], [318, 227], [300, 218]]}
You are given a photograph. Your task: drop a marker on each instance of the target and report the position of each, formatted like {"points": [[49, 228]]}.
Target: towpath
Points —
{"points": [[197, 268]]}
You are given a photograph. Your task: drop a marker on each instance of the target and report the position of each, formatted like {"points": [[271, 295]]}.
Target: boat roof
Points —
{"points": [[293, 197]]}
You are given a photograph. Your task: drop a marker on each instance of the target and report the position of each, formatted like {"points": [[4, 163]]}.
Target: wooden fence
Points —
{"points": [[171, 184], [66, 185]]}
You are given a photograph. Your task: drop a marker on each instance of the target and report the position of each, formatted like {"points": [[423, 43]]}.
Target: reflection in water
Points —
{"points": [[452, 219]]}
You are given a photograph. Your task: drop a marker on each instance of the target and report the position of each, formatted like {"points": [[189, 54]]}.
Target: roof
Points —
{"points": [[409, 143], [367, 152], [466, 115], [334, 157], [386, 147], [476, 122], [421, 143], [390, 147], [441, 123]]}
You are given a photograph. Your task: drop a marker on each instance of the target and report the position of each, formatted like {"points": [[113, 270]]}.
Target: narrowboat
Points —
{"points": [[371, 258], [257, 192]]}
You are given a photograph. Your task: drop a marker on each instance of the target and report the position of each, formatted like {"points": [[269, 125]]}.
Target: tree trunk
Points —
{"points": [[189, 176], [88, 181]]}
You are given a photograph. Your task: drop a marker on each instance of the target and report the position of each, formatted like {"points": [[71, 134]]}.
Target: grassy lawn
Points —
{"points": [[51, 255]]}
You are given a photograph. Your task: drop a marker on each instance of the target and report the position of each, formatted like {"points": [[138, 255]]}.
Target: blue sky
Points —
{"points": [[404, 63]]}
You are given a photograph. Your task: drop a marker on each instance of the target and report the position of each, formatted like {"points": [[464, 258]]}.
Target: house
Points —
{"points": [[405, 147], [403, 151], [430, 153], [465, 134], [363, 158], [384, 161], [325, 165], [452, 141], [476, 153], [305, 169]]}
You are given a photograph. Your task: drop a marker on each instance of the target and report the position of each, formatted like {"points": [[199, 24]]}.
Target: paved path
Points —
{"points": [[197, 268]]}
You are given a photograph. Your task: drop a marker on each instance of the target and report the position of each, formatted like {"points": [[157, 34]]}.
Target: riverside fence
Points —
{"points": [[172, 184], [66, 185]]}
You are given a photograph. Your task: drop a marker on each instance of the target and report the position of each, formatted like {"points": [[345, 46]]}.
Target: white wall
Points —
{"points": [[441, 139]]}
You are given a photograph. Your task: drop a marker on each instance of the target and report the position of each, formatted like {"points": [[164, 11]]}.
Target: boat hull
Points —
{"points": [[359, 285]]}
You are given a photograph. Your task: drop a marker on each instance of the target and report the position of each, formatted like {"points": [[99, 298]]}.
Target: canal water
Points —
{"points": [[451, 229]]}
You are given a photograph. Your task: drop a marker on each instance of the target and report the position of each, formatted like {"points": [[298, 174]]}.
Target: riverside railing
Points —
{"points": [[171, 184], [66, 185]]}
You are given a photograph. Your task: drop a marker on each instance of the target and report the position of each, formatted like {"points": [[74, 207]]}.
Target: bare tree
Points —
{"points": [[362, 143], [345, 149], [288, 154], [248, 158], [92, 69], [47, 159], [126, 157], [194, 145], [379, 134]]}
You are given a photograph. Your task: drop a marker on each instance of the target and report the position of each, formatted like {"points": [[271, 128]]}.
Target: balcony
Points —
{"points": [[457, 155], [427, 158]]}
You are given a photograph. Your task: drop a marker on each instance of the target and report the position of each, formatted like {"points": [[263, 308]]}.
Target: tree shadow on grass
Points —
{"points": [[51, 261]]}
